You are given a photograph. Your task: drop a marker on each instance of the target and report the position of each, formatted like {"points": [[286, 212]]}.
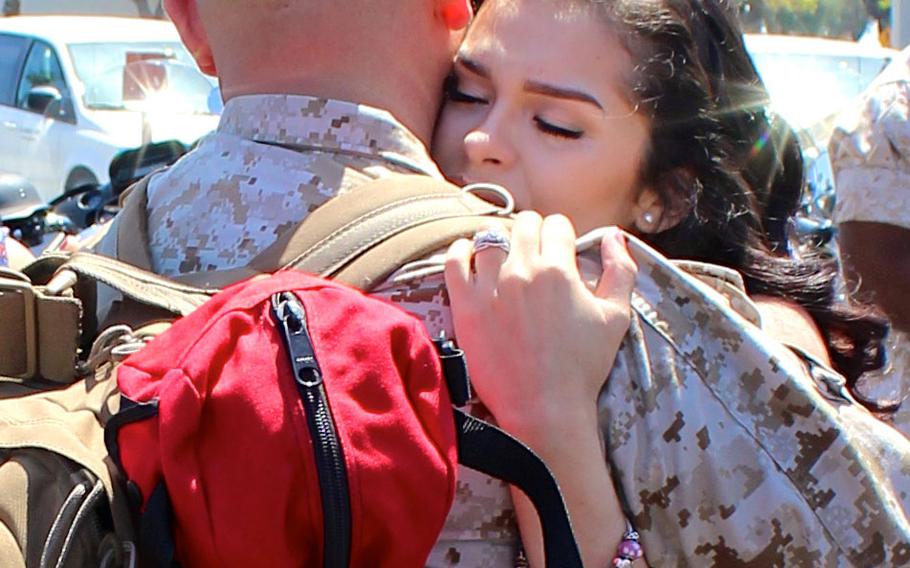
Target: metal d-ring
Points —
{"points": [[502, 193]]}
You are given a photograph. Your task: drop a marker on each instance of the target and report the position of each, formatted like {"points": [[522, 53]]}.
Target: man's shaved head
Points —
{"points": [[386, 53]]}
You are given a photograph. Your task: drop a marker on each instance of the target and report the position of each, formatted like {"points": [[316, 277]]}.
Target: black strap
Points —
{"points": [[157, 548], [489, 450], [156, 541], [455, 370]]}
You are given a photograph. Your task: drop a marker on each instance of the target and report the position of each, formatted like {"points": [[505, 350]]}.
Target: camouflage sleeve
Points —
{"points": [[868, 155], [480, 530], [730, 452], [726, 449]]}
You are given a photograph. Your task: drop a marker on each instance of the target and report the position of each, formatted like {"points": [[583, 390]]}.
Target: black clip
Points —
{"points": [[455, 369]]}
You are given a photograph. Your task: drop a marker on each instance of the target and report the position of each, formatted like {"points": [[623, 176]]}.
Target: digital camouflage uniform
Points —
{"points": [[718, 465]]}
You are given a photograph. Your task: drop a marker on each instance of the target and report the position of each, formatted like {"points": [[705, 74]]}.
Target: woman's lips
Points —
{"points": [[467, 180]]}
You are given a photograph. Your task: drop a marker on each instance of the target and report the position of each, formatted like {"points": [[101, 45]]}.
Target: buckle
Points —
{"points": [[13, 293], [130, 550]]}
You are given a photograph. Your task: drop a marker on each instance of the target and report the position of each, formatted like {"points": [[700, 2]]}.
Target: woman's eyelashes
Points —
{"points": [[558, 131], [455, 94]]}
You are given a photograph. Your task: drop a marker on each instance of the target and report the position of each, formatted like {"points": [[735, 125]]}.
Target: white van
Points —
{"points": [[76, 90]]}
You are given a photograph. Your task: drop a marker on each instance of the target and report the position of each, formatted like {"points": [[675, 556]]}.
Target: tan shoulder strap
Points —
{"points": [[41, 326], [364, 234], [136, 284], [374, 266], [132, 226], [358, 237]]}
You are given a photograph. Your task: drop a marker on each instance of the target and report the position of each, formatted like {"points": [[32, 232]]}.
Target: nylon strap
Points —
{"points": [[357, 238], [492, 451]]}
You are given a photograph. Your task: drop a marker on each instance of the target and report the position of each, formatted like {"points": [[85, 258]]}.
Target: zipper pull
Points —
{"points": [[291, 318]]}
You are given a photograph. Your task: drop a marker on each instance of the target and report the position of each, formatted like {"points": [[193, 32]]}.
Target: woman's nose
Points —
{"points": [[487, 145]]}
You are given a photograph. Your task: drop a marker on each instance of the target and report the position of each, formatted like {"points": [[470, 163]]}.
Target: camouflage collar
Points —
{"points": [[316, 124]]}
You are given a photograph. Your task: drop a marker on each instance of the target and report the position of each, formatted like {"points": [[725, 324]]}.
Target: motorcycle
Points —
{"points": [[79, 216]]}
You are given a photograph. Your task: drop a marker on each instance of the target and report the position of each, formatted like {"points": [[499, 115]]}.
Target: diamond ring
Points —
{"points": [[491, 238]]}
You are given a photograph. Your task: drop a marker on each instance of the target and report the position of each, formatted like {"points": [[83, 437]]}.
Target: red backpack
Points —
{"points": [[295, 421]]}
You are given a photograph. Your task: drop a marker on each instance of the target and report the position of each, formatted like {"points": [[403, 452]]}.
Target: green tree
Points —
{"points": [[832, 18], [11, 7]]}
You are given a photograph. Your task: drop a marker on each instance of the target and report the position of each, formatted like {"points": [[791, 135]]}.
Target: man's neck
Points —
{"points": [[411, 102]]}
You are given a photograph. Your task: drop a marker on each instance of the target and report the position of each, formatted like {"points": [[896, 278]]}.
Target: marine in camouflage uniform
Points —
{"points": [[273, 159], [759, 464]]}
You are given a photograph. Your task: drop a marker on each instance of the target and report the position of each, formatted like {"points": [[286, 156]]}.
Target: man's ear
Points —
{"points": [[185, 15], [456, 14]]}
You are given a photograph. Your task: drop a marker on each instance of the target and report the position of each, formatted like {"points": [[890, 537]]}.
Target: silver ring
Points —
{"points": [[491, 238]]}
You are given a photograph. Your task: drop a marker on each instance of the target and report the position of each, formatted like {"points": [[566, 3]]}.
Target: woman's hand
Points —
{"points": [[539, 342], [540, 345]]}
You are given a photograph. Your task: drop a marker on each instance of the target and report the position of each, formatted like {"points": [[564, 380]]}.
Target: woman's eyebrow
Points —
{"points": [[473, 66], [533, 86], [561, 93]]}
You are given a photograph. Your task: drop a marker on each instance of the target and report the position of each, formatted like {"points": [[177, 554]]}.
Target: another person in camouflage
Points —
{"points": [[651, 116], [868, 151]]}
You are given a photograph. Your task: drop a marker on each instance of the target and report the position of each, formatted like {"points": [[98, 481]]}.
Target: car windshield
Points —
{"points": [[144, 76]]}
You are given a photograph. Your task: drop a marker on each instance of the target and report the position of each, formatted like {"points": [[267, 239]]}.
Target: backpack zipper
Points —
{"points": [[333, 480]]}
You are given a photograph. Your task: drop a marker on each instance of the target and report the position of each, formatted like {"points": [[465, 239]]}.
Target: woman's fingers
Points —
{"points": [[525, 238], [557, 243], [458, 269], [474, 268], [618, 269], [491, 248]]}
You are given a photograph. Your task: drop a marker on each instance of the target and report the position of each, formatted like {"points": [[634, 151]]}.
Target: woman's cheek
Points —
{"points": [[448, 144]]}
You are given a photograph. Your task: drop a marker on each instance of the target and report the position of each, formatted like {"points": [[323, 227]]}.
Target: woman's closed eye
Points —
{"points": [[557, 131], [455, 94]]}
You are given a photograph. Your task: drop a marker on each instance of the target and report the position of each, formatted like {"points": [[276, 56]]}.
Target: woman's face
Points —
{"points": [[539, 104]]}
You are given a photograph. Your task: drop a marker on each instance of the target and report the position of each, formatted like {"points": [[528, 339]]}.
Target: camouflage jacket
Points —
{"points": [[731, 451], [726, 449]]}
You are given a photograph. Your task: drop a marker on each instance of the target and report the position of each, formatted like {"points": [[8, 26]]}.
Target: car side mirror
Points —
{"points": [[44, 99]]}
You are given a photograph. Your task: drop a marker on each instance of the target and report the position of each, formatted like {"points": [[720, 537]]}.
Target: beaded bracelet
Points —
{"points": [[629, 550]]}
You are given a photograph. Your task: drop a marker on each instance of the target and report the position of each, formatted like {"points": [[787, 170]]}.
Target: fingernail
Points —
{"points": [[619, 236], [615, 234]]}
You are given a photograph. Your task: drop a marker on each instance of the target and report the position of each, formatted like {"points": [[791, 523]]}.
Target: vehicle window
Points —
{"points": [[871, 67], [806, 88], [141, 76], [12, 52], [42, 68]]}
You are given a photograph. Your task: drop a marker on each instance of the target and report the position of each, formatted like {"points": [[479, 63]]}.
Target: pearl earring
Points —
{"points": [[648, 218]]}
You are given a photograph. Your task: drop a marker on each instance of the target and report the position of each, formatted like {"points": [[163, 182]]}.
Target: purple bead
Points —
{"points": [[630, 549]]}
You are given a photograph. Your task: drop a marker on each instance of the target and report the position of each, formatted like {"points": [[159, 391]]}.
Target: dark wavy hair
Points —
{"points": [[730, 169]]}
